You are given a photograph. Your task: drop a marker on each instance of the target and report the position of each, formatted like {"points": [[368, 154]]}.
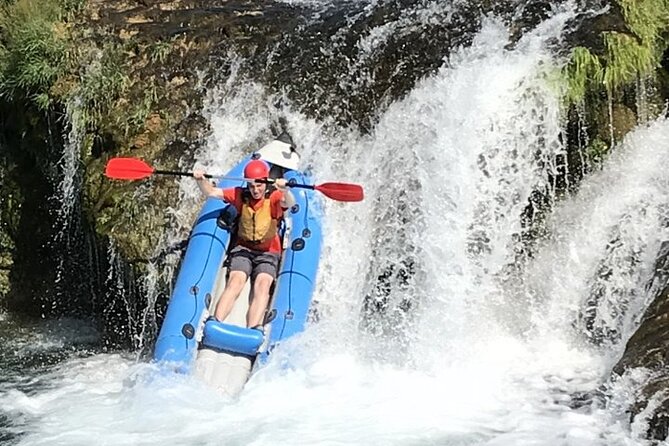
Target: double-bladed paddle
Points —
{"points": [[136, 169]]}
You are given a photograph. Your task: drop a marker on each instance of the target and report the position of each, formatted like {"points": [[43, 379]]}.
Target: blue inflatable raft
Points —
{"points": [[224, 353]]}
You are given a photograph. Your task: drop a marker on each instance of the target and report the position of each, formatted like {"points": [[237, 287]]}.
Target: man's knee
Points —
{"points": [[263, 281], [237, 279]]}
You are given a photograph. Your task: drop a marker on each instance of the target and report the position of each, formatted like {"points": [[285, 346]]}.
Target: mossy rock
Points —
{"points": [[618, 122]]}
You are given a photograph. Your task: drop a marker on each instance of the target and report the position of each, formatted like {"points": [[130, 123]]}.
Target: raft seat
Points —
{"points": [[233, 338]]}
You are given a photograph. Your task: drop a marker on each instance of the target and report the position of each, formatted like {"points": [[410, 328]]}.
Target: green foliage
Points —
{"points": [[10, 211], [583, 69], [100, 84], [143, 109], [72, 6], [45, 61], [107, 96], [10, 198], [159, 51], [648, 19], [626, 59], [596, 150], [629, 56], [32, 49]]}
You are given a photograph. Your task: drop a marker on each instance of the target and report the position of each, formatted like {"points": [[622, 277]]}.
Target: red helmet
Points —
{"points": [[256, 169]]}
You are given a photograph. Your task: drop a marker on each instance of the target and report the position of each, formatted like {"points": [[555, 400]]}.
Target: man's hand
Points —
{"points": [[287, 201], [205, 185], [198, 174], [281, 184]]}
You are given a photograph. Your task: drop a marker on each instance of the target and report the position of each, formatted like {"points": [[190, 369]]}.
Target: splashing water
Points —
{"points": [[67, 190]]}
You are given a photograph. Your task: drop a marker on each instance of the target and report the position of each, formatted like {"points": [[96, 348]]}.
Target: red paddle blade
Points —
{"points": [[127, 169], [341, 191]]}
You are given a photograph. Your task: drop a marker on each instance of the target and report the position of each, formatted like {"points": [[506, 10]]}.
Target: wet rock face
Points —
{"points": [[28, 217], [170, 53], [649, 348], [587, 28], [341, 62], [153, 19], [338, 61], [344, 62], [348, 63], [54, 268], [352, 57]]}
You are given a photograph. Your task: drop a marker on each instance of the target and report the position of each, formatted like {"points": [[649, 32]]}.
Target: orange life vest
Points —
{"points": [[256, 227]]}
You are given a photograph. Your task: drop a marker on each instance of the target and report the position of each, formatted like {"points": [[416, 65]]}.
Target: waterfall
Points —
{"points": [[606, 240]]}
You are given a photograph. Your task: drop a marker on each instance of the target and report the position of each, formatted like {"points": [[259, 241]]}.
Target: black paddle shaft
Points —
{"points": [[206, 175], [180, 174]]}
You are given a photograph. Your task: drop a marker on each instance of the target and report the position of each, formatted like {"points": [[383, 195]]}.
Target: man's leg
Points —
{"points": [[265, 267], [261, 285], [240, 269], [233, 287]]}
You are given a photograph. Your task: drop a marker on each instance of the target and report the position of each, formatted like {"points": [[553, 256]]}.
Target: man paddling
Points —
{"points": [[258, 248]]}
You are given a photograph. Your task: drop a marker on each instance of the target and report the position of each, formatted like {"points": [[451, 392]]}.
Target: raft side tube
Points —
{"points": [[297, 277], [207, 245], [177, 340]]}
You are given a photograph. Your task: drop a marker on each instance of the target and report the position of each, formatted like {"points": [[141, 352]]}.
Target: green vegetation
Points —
{"points": [[44, 61], [602, 79], [113, 89], [627, 56], [583, 70], [627, 59], [142, 109], [596, 150], [159, 51], [32, 49], [647, 19], [9, 203], [102, 80]]}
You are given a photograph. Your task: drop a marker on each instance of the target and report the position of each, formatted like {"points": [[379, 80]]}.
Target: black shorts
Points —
{"points": [[254, 262]]}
